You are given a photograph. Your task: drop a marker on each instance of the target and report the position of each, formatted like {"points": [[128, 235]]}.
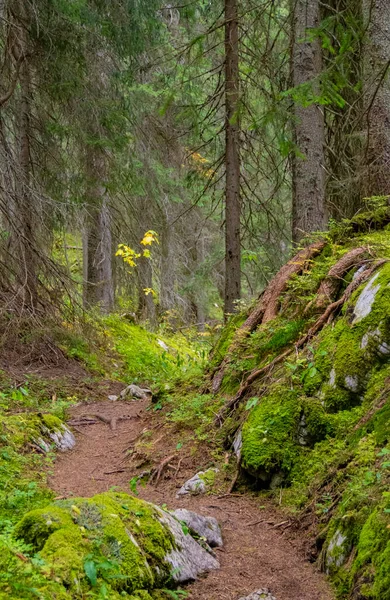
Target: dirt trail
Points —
{"points": [[255, 553]]}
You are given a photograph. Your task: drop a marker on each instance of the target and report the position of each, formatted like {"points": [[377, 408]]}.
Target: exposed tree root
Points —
{"points": [[112, 422], [268, 305], [158, 471], [235, 478], [383, 398], [331, 284], [327, 317]]}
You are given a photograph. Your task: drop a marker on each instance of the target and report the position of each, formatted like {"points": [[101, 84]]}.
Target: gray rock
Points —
{"points": [[384, 348], [376, 335], [276, 481], [352, 383], [237, 444], [359, 271], [303, 434], [366, 300], [205, 527], [189, 559], [263, 594], [134, 391], [332, 378], [163, 345], [113, 397], [63, 439], [196, 485], [336, 551]]}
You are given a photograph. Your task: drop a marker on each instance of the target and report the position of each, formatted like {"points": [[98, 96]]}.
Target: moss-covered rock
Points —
{"points": [[112, 540]]}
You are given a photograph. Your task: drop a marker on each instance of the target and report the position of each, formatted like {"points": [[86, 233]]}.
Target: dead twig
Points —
{"points": [[157, 472]]}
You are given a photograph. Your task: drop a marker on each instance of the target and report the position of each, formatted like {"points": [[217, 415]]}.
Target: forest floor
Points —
{"points": [[259, 550]]}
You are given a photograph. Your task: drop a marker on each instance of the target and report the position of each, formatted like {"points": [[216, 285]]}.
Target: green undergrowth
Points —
{"points": [[28, 414], [114, 347], [316, 428]]}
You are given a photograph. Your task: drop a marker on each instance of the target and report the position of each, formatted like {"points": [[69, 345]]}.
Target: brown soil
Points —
{"points": [[256, 554]]}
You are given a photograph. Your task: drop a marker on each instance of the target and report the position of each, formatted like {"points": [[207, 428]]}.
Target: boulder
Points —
{"points": [[204, 527], [140, 546]]}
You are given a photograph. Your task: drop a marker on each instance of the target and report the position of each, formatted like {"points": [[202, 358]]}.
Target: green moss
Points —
{"points": [[65, 551], [208, 477], [226, 337], [53, 423], [37, 525], [372, 562], [121, 536], [269, 433]]}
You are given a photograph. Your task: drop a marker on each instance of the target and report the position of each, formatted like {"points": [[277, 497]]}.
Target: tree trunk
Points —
{"points": [[232, 160], [167, 274], [376, 169], [25, 202], [309, 213], [98, 282]]}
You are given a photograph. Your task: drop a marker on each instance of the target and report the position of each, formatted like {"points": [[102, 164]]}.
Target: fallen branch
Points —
{"points": [[121, 470]]}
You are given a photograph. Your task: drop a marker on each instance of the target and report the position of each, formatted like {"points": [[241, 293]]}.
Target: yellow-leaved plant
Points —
{"points": [[130, 256]]}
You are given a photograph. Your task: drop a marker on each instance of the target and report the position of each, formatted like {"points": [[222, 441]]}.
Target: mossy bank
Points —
{"points": [[315, 426]]}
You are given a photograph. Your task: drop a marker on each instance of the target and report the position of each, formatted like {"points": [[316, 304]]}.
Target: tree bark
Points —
{"points": [[232, 160], [308, 211], [167, 272], [98, 281], [25, 203], [376, 81]]}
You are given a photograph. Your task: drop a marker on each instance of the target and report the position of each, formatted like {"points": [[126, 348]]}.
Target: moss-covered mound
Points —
{"points": [[108, 546], [315, 421]]}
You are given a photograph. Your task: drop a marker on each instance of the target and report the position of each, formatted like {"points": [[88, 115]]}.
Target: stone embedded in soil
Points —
{"points": [[113, 397], [64, 440], [262, 594], [62, 437], [205, 527], [134, 391], [198, 484]]}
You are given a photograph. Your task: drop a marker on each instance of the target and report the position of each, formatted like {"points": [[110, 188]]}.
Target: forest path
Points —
{"points": [[256, 554]]}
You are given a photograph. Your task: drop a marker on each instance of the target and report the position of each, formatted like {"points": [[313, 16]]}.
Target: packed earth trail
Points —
{"points": [[259, 550]]}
